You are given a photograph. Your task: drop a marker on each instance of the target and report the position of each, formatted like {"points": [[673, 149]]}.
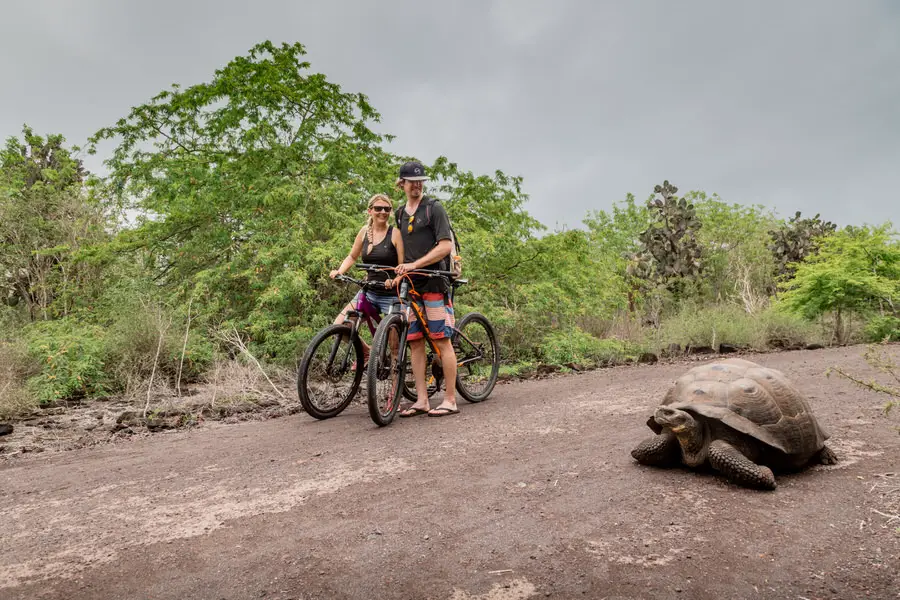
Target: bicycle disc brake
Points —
{"points": [[437, 370]]}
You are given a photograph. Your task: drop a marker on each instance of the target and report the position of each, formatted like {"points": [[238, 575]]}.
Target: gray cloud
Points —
{"points": [[789, 105]]}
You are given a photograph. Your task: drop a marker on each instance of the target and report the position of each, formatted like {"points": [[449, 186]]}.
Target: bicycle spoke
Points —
{"points": [[329, 376], [478, 360], [386, 371]]}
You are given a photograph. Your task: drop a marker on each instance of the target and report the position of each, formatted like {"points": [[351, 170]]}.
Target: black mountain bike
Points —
{"points": [[474, 342], [332, 365]]}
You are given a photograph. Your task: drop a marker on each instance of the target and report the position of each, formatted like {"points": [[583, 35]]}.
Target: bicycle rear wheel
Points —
{"points": [[330, 372], [477, 356], [385, 379], [432, 383]]}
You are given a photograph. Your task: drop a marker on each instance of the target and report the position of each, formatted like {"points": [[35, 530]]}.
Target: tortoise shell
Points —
{"points": [[757, 401]]}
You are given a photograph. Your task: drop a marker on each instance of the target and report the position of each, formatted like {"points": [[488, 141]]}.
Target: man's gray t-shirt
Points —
{"points": [[423, 237]]}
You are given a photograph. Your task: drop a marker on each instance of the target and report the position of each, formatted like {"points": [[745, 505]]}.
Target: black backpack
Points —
{"points": [[452, 263]]}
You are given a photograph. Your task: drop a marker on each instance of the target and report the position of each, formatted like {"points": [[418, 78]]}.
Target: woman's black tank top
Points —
{"points": [[383, 254]]}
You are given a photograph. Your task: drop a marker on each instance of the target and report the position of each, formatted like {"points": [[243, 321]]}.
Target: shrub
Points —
{"points": [[518, 332], [15, 367], [71, 358], [131, 348], [12, 319], [882, 328], [856, 270], [880, 358], [712, 326], [731, 324], [199, 354], [574, 346], [518, 369], [781, 330]]}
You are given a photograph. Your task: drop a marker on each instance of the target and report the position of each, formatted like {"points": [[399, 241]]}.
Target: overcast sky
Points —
{"points": [[791, 104]]}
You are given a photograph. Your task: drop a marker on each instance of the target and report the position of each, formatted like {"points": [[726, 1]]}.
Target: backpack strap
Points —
{"points": [[427, 200], [453, 235]]}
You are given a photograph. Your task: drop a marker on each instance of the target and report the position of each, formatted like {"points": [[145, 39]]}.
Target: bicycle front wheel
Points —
{"points": [[330, 372], [477, 356], [386, 371]]}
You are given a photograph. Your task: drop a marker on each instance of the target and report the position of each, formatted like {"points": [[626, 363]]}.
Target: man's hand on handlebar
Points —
{"points": [[405, 268]]}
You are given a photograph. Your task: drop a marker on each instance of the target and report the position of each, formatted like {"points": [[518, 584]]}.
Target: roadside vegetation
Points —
{"points": [[205, 251]]}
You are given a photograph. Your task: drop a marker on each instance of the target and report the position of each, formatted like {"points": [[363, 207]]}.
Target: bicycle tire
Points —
{"points": [[479, 330], [383, 366], [310, 402]]}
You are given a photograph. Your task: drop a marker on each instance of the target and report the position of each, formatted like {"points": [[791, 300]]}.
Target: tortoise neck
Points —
{"points": [[693, 443]]}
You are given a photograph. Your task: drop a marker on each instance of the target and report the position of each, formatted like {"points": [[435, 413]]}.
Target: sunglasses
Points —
{"points": [[386, 209], [409, 229]]}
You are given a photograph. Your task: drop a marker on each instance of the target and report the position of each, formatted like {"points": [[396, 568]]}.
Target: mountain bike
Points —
{"points": [[332, 366], [474, 342]]}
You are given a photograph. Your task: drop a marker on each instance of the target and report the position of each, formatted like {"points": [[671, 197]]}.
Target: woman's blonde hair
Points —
{"points": [[371, 219]]}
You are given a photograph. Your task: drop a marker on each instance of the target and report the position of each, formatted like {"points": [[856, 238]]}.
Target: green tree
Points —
{"points": [[242, 182], [496, 233], [738, 265], [856, 271], [250, 188], [47, 215], [615, 240], [616, 235]]}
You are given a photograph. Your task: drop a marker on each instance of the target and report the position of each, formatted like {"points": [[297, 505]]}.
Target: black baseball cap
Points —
{"points": [[413, 171]]}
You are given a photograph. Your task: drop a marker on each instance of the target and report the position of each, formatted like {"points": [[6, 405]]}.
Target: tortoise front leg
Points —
{"points": [[729, 461], [826, 456], [661, 450]]}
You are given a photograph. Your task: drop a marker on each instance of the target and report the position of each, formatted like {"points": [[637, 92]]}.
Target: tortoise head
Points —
{"points": [[691, 433], [674, 419]]}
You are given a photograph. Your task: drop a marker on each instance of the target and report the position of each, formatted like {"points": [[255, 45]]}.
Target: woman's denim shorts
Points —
{"points": [[382, 303]]}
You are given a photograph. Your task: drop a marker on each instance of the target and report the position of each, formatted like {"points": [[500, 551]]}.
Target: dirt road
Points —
{"points": [[531, 494]]}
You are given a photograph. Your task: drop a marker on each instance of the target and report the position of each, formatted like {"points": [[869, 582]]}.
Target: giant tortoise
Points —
{"points": [[741, 419]]}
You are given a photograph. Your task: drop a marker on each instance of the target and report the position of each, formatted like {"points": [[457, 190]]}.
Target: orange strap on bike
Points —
{"points": [[412, 289]]}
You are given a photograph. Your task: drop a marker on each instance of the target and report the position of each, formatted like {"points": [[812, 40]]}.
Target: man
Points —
{"points": [[426, 243]]}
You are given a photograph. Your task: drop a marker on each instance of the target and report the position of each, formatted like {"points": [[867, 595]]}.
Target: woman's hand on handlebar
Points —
{"points": [[334, 273]]}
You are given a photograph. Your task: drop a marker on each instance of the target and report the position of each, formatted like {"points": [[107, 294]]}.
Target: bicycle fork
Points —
{"points": [[351, 319]]}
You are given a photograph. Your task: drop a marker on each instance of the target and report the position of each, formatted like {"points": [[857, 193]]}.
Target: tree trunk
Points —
{"points": [[839, 327]]}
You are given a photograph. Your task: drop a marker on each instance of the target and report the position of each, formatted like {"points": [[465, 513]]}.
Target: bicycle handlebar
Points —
{"points": [[426, 272], [360, 282]]}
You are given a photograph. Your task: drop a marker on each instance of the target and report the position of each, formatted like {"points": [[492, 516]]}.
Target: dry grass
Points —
{"points": [[14, 400], [627, 328], [882, 358], [229, 378], [233, 391], [887, 487], [231, 387]]}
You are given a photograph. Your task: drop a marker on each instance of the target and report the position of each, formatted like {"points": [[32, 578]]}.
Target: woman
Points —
{"points": [[379, 244]]}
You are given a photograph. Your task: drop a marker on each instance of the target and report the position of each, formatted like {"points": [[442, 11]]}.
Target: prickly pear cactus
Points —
{"points": [[796, 240], [670, 250]]}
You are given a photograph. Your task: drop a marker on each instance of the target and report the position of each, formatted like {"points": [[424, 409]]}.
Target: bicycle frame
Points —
{"points": [[405, 289], [354, 318], [389, 364], [357, 311]]}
